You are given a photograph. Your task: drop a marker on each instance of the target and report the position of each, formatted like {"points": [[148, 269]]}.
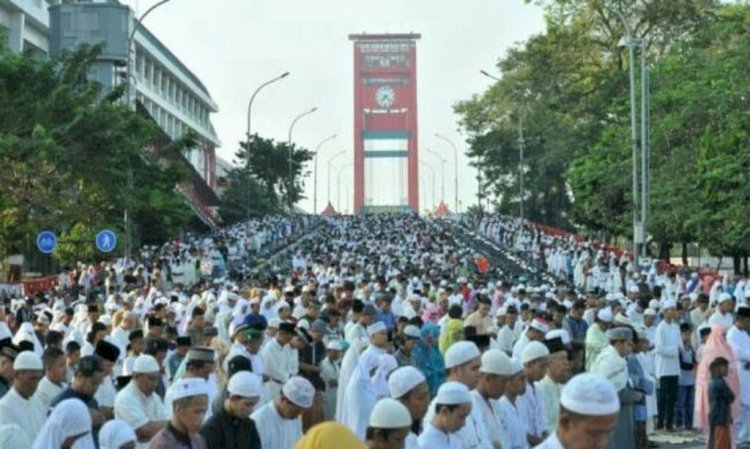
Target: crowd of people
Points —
{"points": [[379, 332]]}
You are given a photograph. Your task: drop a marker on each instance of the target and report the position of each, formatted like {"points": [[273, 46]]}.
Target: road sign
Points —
{"points": [[106, 241], [46, 241]]}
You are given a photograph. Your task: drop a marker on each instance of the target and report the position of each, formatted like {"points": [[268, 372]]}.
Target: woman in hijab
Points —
{"points": [[361, 394], [329, 435], [716, 346], [13, 437], [116, 434], [429, 359], [68, 426], [453, 330]]}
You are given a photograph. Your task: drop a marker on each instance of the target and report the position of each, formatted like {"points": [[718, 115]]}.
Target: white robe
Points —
{"points": [[276, 432], [138, 410], [28, 414], [361, 395], [106, 393], [491, 413], [329, 372], [412, 441], [531, 405], [47, 391], [739, 340], [473, 435], [433, 438], [281, 363], [513, 425]]}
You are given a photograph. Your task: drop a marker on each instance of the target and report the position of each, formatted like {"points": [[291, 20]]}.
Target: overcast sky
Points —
{"points": [[235, 45]]}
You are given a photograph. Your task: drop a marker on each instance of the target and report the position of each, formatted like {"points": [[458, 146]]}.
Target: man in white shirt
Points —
{"points": [[589, 409], [667, 355], [495, 371], [409, 385], [550, 387], [55, 373], [513, 422], [278, 422], [510, 331], [723, 313], [280, 360], [739, 340], [530, 404], [462, 363], [452, 406], [138, 405], [19, 406], [389, 425]]}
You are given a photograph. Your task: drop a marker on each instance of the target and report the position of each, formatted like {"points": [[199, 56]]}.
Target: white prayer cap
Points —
{"points": [[515, 367], [604, 315], [562, 334], [461, 352], [633, 289], [105, 320], [649, 312], [403, 380], [533, 351], [28, 360], [723, 297], [299, 391], [245, 384], [146, 364], [669, 304], [495, 361], [274, 323], [115, 434], [390, 414], [374, 328], [453, 393], [335, 345], [622, 319], [590, 394], [186, 388], [654, 304], [539, 325], [620, 333], [412, 331]]}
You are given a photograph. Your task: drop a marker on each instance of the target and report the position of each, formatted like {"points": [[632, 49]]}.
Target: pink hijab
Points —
{"points": [[716, 346]]}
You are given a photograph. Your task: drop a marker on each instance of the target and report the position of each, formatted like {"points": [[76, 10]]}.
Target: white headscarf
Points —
{"points": [[360, 396], [69, 418], [12, 437], [115, 434], [26, 333]]}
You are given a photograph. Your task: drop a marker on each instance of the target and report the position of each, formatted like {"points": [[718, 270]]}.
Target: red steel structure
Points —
{"points": [[386, 161]]}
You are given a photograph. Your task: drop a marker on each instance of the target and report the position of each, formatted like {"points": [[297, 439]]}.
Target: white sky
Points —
{"points": [[235, 45]]}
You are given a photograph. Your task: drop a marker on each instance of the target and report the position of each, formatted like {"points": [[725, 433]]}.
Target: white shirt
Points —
{"points": [[433, 438], [667, 349], [28, 414], [531, 405], [47, 391], [514, 425], [474, 433], [138, 410], [106, 393], [281, 363], [412, 441], [726, 320], [275, 431], [550, 393], [523, 340], [552, 442], [739, 340], [491, 413]]}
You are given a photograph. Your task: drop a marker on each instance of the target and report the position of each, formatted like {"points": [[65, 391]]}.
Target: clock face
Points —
{"points": [[385, 96]]}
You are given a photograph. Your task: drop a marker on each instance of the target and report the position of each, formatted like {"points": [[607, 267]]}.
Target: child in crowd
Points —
{"points": [[686, 390], [720, 398]]}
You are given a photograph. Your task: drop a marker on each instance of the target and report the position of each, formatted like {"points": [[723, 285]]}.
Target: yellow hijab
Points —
{"points": [[453, 333], [329, 435]]}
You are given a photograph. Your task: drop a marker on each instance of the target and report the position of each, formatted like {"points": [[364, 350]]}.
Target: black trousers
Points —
{"points": [[666, 401]]}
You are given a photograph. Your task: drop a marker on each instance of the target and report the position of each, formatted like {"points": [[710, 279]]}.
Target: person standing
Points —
{"points": [[19, 406], [495, 371], [720, 398], [596, 337], [409, 385], [389, 425], [667, 352], [550, 387], [278, 422], [329, 372], [139, 405], [452, 407], [231, 427], [739, 340], [589, 409], [280, 360], [53, 382], [190, 404], [513, 424], [530, 403], [686, 384]]}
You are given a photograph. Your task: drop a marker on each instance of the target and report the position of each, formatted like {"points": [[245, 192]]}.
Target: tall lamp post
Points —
{"points": [[455, 163], [315, 173], [639, 228], [442, 173], [128, 94], [289, 146], [330, 160], [252, 98]]}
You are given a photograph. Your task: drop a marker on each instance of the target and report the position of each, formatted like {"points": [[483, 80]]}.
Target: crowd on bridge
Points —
{"points": [[379, 332]]}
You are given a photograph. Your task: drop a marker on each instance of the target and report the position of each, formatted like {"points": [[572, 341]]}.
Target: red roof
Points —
{"points": [[442, 210], [329, 211]]}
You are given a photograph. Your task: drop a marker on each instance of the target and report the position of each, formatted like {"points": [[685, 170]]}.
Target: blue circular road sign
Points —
{"points": [[106, 241], [46, 241]]}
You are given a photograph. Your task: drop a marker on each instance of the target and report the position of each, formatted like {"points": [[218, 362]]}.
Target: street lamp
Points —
{"points": [[289, 146], [128, 90], [129, 44], [483, 72], [455, 162], [315, 182], [330, 160], [639, 229], [442, 173], [432, 173], [252, 98]]}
